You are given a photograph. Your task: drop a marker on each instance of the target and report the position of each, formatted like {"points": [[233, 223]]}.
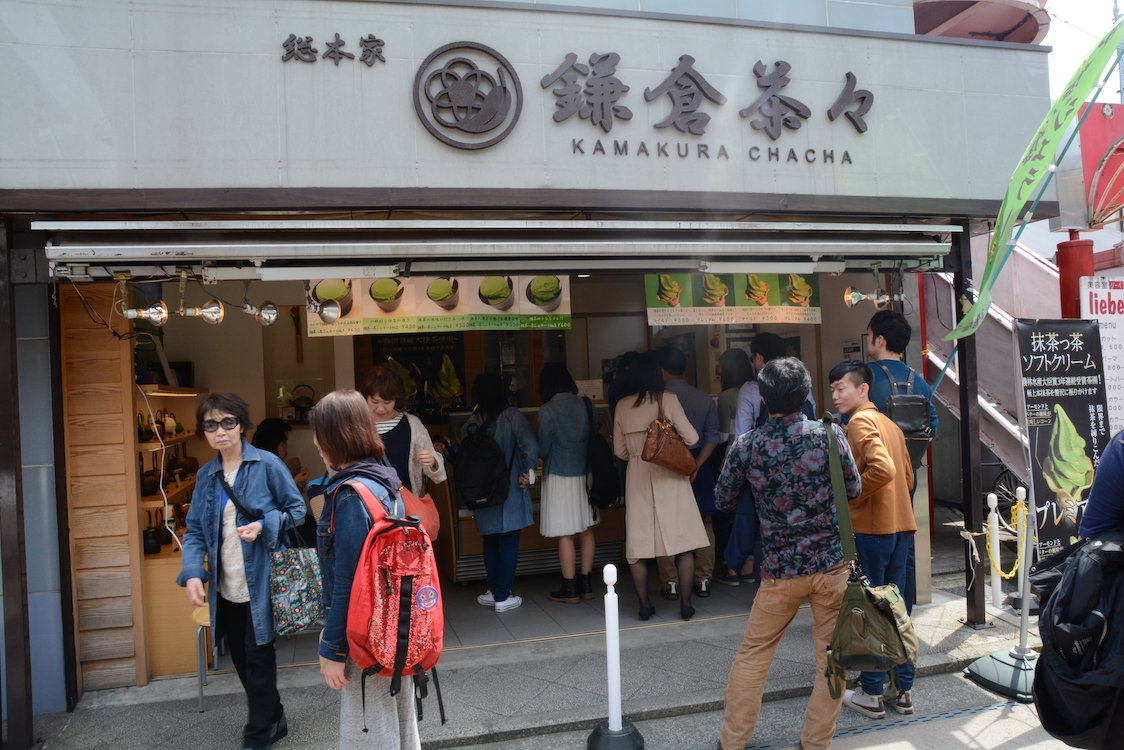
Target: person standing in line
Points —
{"points": [[408, 445], [887, 336], [345, 434], [500, 525], [272, 435], [734, 370], [660, 513], [1105, 508], [702, 413], [564, 511], [231, 551], [786, 463], [882, 517]]}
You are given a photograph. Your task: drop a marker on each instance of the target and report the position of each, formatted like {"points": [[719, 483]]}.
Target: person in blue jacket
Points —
{"points": [[1105, 508], [346, 435], [500, 525], [237, 546]]}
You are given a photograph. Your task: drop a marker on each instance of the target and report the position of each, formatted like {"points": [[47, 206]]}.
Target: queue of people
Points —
{"points": [[760, 466]]}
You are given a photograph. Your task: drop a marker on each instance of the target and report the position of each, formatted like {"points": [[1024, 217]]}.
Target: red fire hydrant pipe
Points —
{"points": [[1075, 259]]}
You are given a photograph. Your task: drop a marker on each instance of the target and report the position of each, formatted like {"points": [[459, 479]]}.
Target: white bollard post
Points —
{"points": [[1023, 651], [614, 734], [993, 540]]}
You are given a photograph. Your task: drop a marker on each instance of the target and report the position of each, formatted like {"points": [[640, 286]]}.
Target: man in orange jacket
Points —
{"points": [[882, 515]]}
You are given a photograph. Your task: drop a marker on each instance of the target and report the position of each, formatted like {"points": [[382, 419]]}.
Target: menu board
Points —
{"points": [[437, 304], [1103, 300], [713, 299]]}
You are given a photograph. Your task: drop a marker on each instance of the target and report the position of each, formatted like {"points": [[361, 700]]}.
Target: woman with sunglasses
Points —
{"points": [[242, 500]]}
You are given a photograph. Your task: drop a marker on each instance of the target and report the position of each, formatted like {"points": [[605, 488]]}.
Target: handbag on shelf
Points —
{"points": [[296, 590], [873, 632], [664, 447]]}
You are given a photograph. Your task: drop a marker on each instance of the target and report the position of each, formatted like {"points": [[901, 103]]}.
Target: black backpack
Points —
{"points": [[910, 412], [602, 481], [481, 471]]}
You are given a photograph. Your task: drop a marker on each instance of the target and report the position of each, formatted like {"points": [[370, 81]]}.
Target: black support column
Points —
{"points": [[970, 482], [13, 568]]}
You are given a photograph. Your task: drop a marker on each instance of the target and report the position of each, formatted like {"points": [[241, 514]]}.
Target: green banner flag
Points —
{"points": [[1032, 170]]}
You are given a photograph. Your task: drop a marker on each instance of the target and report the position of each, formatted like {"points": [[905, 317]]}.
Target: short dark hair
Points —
{"points": [[672, 359], [384, 382], [893, 327], [270, 434], [769, 345], [860, 372], [785, 385], [736, 368], [489, 394], [345, 429], [555, 379], [225, 401], [645, 379]]}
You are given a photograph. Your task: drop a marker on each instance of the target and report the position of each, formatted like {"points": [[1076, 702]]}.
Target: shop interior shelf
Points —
{"points": [[155, 389], [154, 445], [178, 492]]}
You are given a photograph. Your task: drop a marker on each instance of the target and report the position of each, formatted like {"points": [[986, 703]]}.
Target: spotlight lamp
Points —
{"points": [[212, 312], [266, 314], [328, 311], [156, 314], [880, 298]]}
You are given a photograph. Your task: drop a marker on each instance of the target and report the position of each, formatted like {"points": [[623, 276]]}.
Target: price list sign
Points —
{"points": [[1103, 300]]}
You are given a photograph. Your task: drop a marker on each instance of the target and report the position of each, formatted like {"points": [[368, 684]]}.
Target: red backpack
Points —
{"points": [[396, 619]]}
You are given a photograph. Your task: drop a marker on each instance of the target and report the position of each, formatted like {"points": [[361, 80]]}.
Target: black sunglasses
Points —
{"points": [[227, 423]]}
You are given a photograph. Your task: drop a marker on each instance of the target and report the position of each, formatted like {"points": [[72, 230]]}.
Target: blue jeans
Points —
{"points": [[883, 558], [501, 555]]}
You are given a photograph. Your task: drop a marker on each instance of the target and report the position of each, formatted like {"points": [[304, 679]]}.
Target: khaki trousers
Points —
{"points": [[704, 559], [773, 609]]}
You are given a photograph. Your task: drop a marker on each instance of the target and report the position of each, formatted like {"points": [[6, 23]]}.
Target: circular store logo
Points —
{"points": [[468, 95]]}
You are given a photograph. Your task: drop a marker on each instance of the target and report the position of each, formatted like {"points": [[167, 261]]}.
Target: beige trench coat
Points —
{"points": [[661, 516]]}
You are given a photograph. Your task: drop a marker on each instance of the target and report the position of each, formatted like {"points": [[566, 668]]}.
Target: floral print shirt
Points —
{"points": [[785, 463]]}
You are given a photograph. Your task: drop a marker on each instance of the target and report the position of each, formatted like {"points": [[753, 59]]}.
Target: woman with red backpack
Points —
{"points": [[345, 433]]}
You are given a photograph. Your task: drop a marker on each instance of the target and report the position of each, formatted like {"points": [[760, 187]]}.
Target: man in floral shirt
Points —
{"points": [[785, 462]]}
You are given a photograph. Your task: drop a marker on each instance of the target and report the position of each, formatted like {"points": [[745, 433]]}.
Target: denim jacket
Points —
{"points": [[339, 549], [564, 435], [517, 441], [264, 486]]}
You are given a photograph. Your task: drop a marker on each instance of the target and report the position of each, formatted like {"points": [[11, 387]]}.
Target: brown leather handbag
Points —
{"points": [[664, 447]]}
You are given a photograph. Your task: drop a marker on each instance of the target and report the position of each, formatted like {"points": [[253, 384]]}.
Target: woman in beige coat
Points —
{"points": [[661, 516]]}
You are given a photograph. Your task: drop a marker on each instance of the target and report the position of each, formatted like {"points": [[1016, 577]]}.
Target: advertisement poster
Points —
{"points": [[437, 304], [432, 370], [1066, 418], [735, 298], [1103, 300]]}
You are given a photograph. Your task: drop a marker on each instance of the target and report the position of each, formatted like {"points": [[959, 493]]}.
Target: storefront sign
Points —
{"points": [[425, 304], [432, 371], [1103, 300], [737, 298], [1066, 418]]}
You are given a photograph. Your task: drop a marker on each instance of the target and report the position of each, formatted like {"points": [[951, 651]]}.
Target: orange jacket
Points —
{"points": [[878, 446]]}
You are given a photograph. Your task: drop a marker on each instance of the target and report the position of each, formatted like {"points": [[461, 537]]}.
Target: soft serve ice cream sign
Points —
{"points": [[422, 304], [714, 299]]}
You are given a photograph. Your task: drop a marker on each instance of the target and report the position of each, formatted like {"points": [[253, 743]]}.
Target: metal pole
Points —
{"points": [[1022, 651]]}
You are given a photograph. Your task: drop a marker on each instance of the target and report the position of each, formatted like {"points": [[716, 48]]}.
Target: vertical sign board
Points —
{"points": [[1103, 300], [1067, 421]]}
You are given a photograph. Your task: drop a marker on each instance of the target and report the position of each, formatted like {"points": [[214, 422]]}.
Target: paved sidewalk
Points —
{"points": [[507, 691]]}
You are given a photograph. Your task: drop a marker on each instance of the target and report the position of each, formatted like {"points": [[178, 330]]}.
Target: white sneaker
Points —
{"points": [[510, 602], [486, 599], [867, 705]]}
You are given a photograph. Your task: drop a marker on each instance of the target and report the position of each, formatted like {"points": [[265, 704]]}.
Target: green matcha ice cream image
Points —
{"points": [[337, 289], [714, 290], [756, 289], [445, 292], [799, 290], [496, 291], [669, 290], [1068, 471], [546, 292], [387, 294]]}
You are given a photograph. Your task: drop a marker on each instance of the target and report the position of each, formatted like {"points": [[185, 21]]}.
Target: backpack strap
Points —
{"points": [[839, 490], [370, 502]]}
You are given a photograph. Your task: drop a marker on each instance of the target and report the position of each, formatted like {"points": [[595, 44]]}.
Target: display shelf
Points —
{"points": [[154, 445], [155, 389], [178, 492]]}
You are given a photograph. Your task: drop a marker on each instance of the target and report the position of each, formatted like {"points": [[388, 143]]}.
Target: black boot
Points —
{"points": [[567, 594], [584, 585]]}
